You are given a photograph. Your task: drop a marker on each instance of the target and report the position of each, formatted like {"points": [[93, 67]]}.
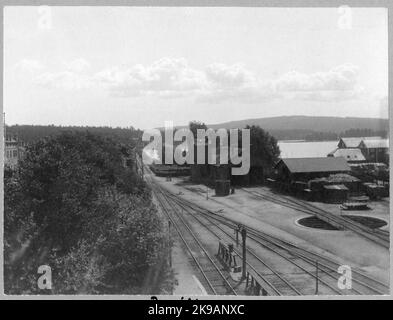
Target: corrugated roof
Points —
{"points": [[326, 164], [353, 142], [376, 143], [349, 154]]}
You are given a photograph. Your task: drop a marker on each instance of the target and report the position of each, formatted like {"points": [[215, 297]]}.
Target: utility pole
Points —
{"points": [[4, 131], [169, 237], [316, 277], [141, 164], [244, 235]]}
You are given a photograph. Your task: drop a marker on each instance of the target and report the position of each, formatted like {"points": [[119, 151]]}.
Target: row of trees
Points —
{"points": [[324, 136], [33, 133], [264, 151], [75, 206]]}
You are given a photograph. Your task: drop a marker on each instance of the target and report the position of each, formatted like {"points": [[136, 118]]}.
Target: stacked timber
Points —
{"points": [[222, 187]]}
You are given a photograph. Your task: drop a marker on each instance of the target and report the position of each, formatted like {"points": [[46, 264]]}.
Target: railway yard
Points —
{"points": [[283, 257]]}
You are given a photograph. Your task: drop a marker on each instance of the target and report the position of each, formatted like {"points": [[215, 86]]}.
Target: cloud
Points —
{"points": [[66, 80], [224, 76], [77, 65], [28, 65], [341, 78], [235, 83], [339, 83], [216, 83], [74, 76], [165, 77]]}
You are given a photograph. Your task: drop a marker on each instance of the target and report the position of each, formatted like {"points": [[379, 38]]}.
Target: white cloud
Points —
{"points": [[217, 83], [235, 83], [64, 80], [28, 65], [165, 77], [341, 78], [339, 83], [77, 65], [234, 76]]}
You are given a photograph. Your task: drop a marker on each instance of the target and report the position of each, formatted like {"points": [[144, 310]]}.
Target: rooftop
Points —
{"points": [[354, 142], [325, 164], [349, 154], [375, 143]]}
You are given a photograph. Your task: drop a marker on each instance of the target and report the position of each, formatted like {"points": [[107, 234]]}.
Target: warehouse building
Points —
{"points": [[321, 179], [305, 169], [375, 150], [353, 142], [351, 155]]}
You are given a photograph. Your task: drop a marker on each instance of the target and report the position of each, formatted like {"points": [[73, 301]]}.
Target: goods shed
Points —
{"points": [[351, 155], [305, 169]]}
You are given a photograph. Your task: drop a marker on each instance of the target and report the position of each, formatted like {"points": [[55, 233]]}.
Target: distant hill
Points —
{"points": [[282, 128], [306, 123]]}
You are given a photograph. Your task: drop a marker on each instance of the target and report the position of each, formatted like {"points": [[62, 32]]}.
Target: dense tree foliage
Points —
{"points": [[324, 136], [33, 133], [75, 205], [264, 150], [264, 153], [364, 133], [195, 125]]}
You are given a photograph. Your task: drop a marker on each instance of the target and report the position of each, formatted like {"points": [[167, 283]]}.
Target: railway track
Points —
{"points": [[378, 236], [362, 284], [212, 278], [277, 283]]}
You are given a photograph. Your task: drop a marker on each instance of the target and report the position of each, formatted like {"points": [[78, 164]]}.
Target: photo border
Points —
{"points": [[388, 4]]}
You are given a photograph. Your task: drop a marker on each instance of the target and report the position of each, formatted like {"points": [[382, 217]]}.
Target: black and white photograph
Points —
{"points": [[195, 151]]}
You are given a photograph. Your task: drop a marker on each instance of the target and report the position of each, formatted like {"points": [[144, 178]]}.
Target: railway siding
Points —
{"points": [[340, 222]]}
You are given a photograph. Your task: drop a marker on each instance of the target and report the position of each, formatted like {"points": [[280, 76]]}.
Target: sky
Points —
{"points": [[140, 67]]}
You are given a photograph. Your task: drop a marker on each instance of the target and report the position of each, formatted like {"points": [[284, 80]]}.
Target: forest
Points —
{"points": [[31, 133], [76, 204]]}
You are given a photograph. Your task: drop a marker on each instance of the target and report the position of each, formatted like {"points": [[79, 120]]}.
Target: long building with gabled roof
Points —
{"points": [[304, 169]]}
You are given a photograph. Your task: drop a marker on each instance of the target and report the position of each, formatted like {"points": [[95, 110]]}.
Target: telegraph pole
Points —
{"points": [[244, 235], [4, 131], [316, 277]]}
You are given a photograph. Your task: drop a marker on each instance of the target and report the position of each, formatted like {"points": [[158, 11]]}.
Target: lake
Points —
{"points": [[306, 149]]}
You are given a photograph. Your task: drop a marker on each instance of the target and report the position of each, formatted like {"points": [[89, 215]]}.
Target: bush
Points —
{"points": [[74, 206]]}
